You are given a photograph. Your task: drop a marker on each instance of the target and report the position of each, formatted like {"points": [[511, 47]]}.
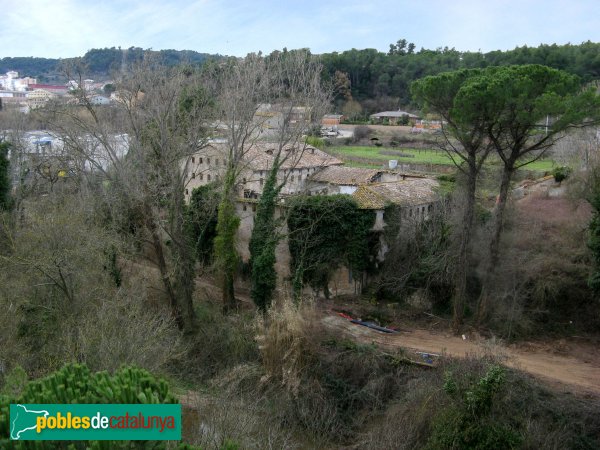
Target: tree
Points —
{"points": [[519, 99], [295, 84], [464, 127], [135, 152], [5, 184], [240, 87], [202, 214]]}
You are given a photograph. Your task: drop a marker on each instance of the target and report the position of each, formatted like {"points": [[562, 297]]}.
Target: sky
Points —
{"points": [[68, 28]]}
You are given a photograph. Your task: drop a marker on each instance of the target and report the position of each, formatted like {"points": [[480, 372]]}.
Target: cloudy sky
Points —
{"points": [[66, 28]]}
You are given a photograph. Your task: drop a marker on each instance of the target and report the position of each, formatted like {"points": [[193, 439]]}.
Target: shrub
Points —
{"points": [[561, 173], [76, 384], [315, 141], [468, 425], [361, 132]]}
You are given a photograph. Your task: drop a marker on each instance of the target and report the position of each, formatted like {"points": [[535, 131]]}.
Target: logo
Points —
{"points": [[95, 422]]}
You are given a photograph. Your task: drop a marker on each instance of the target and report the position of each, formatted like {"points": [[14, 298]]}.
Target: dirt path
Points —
{"points": [[572, 373]]}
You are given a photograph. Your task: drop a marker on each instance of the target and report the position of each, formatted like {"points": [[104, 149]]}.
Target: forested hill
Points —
{"points": [[100, 62], [365, 74], [373, 74]]}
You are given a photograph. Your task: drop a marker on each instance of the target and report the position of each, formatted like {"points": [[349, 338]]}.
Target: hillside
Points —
{"points": [[99, 62], [362, 74]]}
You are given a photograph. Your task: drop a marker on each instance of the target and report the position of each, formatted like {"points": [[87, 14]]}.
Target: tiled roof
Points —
{"points": [[409, 192], [260, 156], [395, 114], [340, 175]]}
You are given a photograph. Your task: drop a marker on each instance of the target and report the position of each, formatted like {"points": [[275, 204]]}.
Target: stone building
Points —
{"points": [[299, 163]]}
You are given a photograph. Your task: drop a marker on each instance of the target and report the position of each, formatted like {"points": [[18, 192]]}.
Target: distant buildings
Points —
{"points": [[12, 82], [395, 118], [28, 93]]}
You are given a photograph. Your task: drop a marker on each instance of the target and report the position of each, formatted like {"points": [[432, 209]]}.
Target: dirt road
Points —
{"points": [[573, 373]]}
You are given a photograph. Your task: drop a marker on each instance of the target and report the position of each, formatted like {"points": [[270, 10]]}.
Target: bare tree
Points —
{"points": [[286, 86], [136, 148]]}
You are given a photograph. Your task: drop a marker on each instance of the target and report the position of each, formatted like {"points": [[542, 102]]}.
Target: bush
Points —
{"points": [[561, 173], [361, 132], [315, 141], [468, 425], [76, 384]]}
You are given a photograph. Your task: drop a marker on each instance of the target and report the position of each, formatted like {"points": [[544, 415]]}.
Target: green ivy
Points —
{"points": [[326, 232], [5, 200], [201, 220], [263, 242]]}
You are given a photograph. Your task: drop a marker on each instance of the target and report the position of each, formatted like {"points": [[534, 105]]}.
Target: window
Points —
{"points": [[410, 212], [193, 175], [261, 181], [216, 161], [244, 181], [200, 161], [244, 207], [292, 178], [193, 160], [208, 177], [186, 192], [207, 160], [201, 177], [253, 208]]}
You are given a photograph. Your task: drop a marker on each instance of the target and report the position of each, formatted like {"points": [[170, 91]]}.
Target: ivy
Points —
{"points": [[594, 239], [263, 242], [326, 232], [201, 220], [5, 201]]}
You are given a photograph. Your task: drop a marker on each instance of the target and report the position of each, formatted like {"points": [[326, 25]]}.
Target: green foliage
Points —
{"points": [[315, 141], [365, 69], [201, 220], [5, 200], [469, 423], [75, 383], [326, 232], [594, 238], [226, 257], [263, 242], [561, 173], [112, 267], [14, 382]]}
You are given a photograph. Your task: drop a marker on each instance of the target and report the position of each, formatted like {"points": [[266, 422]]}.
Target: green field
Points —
{"points": [[375, 157]]}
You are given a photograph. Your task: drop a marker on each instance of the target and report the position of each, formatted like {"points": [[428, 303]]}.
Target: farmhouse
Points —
{"points": [[395, 117], [415, 198], [329, 120]]}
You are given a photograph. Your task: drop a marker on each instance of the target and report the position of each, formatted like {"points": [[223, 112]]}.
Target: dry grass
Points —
{"points": [[288, 339]]}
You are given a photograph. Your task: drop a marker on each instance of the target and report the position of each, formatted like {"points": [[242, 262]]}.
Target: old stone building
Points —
{"points": [[299, 163]]}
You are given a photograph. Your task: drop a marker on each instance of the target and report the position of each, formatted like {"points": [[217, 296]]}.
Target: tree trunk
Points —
{"points": [[183, 257], [162, 266], [494, 256], [229, 301], [464, 252], [225, 251]]}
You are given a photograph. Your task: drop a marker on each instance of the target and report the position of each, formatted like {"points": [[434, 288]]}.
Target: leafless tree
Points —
{"points": [[138, 149]]}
